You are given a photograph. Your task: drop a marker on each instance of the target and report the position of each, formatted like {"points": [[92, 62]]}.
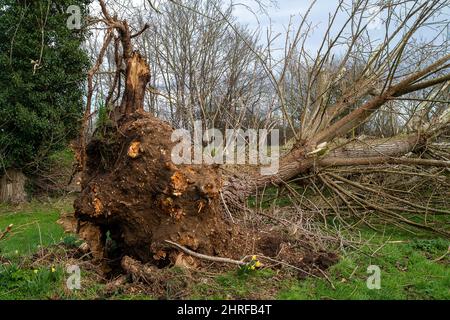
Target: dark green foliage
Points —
{"points": [[40, 108]]}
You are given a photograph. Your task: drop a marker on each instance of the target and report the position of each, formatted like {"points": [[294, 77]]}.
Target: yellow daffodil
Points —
{"points": [[35, 271], [257, 264], [252, 268], [53, 269], [254, 258]]}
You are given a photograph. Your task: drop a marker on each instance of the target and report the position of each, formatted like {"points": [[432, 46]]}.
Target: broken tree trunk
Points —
{"points": [[137, 78], [135, 197]]}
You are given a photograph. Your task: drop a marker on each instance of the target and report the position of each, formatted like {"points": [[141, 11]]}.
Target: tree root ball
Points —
{"points": [[134, 198]]}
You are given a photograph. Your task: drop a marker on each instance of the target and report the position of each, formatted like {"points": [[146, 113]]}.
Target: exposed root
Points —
{"points": [[206, 257]]}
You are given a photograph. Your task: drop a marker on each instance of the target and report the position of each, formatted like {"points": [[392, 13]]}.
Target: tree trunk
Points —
{"points": [[376, 151], [12, 187], [134, 198]]}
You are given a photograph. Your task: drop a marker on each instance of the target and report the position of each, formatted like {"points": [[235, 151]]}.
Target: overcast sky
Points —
{"points": [[280, 11], [280, 14]]}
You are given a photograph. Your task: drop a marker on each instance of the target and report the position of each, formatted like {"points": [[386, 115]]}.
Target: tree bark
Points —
{"points": [[137, 78], [12, 187], [373, 151]]}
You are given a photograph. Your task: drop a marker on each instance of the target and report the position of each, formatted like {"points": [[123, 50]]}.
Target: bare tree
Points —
{"points": [[131, 187]]}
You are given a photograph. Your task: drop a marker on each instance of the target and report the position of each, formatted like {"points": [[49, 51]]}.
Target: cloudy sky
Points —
{"points": [[280, 14]]}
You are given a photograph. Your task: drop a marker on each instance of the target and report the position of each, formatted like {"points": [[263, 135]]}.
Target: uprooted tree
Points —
{"points": [[134, 194]]}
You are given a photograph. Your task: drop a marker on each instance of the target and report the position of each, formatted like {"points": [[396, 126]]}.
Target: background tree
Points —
{"points": [[43, 68]]}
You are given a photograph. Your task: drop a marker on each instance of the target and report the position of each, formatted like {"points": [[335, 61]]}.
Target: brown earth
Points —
{"points": [[132, 191], [134, 198]]}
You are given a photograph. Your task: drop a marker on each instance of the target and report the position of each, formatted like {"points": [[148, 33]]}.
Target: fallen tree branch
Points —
{"points": [[336, 162], [380, 192], [443, 256], [232, 261], [381, 209], [206, 257]]}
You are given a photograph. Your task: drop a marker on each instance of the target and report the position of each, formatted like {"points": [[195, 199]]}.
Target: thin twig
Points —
{"points": [[7, 230]]}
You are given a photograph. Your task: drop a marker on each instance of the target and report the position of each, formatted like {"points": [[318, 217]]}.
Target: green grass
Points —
{"points": [[18, 283], [34, 225], [236, 285], [407, 272], [407, 263]]}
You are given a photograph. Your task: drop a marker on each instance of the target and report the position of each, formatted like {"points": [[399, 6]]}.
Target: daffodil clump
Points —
{"points": [[253, 264]]}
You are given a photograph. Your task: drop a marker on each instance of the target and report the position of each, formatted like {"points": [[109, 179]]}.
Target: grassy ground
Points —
{"points": [[411, 268], [34, 226], [407, 272]]}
